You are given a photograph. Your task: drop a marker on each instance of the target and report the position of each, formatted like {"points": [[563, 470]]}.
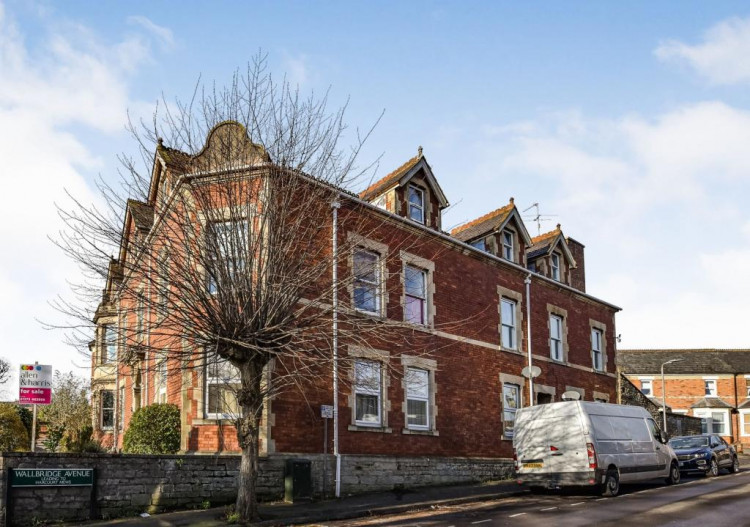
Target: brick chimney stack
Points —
{"points": [[577, 275]]}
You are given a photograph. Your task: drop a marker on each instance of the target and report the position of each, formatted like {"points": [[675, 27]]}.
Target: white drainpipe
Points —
{"points": [[335, 207], [527, 281]]}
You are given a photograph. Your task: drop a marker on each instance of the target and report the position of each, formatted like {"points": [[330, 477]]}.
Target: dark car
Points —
{"points": [[705, 453]]}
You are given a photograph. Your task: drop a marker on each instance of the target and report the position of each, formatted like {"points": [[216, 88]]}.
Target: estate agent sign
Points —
{"points": [[35, 383]]}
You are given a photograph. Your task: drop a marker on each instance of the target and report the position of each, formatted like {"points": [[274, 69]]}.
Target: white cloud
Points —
{"points": [[722, 56], [163, 34], [68, 80], [297, 69], [656, 200]]}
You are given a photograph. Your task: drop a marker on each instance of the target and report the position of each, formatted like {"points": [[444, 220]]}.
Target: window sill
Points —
{"points": [[369, 314], [511, 350], [211, 421], [413, 432], [376, 429]]}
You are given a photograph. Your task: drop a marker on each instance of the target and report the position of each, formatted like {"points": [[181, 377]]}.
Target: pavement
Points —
{"points": [[376, 504]]}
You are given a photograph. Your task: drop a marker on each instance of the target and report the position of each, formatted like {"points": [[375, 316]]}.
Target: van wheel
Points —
{"points": [[735, 466], [611, 484], [674, 474], [713, 468]]}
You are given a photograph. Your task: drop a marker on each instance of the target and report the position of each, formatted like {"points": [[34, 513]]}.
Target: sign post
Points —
{"points": [[326, 412], [35, 387]]}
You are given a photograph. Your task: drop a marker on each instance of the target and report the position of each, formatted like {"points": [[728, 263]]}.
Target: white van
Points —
{"points": [[578, 443]]}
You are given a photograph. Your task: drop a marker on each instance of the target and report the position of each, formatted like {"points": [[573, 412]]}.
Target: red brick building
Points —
{"points": [[463, 293], [712, 384]]}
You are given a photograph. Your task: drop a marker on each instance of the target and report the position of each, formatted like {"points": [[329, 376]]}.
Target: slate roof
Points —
{"points": [[391, 179], [484, 224], [143, 214], [540, 244], [695, 361], [744, 404], [711, 402], [172, 156]]}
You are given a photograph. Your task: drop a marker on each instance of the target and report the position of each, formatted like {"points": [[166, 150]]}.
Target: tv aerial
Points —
{"points": [[538, 217]]}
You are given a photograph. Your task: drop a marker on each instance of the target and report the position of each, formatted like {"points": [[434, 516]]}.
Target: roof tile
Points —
{"points": [[483, 224]]}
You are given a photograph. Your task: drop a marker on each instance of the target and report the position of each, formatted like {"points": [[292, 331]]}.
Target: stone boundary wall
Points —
{"points": [[677, 424], [130, 484]]}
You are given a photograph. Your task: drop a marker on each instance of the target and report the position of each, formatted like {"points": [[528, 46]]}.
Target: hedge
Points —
{"points": [[154, 429]]}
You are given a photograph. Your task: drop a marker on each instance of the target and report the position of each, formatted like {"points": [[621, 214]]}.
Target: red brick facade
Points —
{"points": [[459, 346]]}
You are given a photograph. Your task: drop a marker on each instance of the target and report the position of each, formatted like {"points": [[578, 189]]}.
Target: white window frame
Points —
{"points": [[508, 326], [109, 344], [369, 390], [707, 386], [556, 349], [705, 413], [597, 337], [513, 390], [650, 383], [161, 378], [509, 247], [744, 432], [413, 395], [376, 284], [236, 266], [226, 380], [554, 265], [415, 297], [417, 207], [103, 409]]}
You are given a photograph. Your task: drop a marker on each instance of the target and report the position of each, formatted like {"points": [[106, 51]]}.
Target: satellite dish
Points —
{"points": [[535, 372], [571, 395]]}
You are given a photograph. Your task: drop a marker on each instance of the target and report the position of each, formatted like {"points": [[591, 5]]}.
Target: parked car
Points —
{"points": [[706, 454], [577, 443]]}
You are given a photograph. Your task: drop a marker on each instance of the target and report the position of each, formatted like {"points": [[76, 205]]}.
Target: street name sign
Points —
{"points": [[51, 477], [35, 384]]}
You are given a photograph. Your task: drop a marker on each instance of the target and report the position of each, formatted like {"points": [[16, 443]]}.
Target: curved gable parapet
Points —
{"points": [[227, 147]]}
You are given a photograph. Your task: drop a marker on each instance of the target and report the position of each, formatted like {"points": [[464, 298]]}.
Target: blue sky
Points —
{"points": [[629, 121]]}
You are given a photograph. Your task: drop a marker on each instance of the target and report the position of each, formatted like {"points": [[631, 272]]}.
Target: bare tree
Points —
{"points": [[232, 268], [4, 371]]}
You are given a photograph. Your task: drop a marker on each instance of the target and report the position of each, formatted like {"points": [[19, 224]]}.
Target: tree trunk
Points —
{"points": [[250, 400], [247, 502]]}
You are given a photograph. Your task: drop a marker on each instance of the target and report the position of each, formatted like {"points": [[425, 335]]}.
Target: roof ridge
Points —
{"points": [[483, 218], [394, 175]]}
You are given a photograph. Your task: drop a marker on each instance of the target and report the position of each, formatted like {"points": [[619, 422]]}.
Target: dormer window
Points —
{"points": [[479, 244], [416, 204], [555, 266], [508, 246], [380, 203]]}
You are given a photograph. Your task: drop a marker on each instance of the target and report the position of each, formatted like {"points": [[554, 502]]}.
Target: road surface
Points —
{"points": [[696, 501]]}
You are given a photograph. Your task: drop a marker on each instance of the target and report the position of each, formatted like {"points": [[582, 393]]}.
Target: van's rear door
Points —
{"points": [[550, 442]]}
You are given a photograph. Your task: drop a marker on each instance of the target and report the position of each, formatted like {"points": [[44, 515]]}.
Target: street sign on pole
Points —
{"points": [[35, 384]]}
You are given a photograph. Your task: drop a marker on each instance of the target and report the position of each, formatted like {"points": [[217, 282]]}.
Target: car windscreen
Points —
{"points": [[688, 442]]}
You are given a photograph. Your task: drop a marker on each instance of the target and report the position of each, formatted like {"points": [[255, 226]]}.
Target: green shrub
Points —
{"points": [[153, 429], [27, 418], [82, 441], [13, 434]]}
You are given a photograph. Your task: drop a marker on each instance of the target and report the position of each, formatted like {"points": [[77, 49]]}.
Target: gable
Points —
{"points": [[416, 166]]}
